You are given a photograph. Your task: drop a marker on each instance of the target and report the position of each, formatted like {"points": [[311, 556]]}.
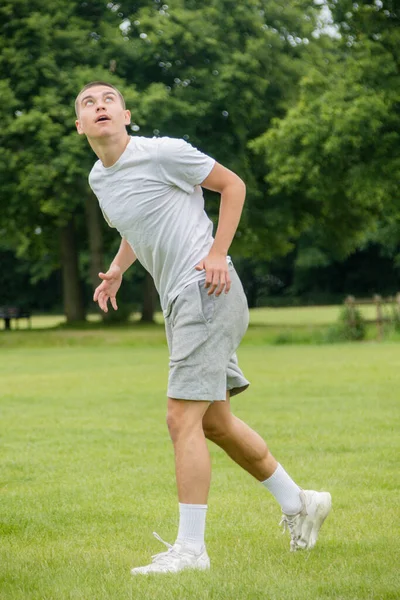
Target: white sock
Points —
{"points": [[285, 490], [192, 524]]}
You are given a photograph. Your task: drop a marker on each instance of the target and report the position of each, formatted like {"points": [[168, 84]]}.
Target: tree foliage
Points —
{"points": [[214, 72], [218, 73], [334, 159], [45, 57]]}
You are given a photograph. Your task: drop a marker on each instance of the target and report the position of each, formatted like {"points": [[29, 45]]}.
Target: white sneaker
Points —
{"points": [[304, 526], [176, 558]]}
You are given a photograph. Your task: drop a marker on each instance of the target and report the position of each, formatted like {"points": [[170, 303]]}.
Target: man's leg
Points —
{"points": [[303, 511], [192, 459], [193, 475], [250, 451], [192, 469], [239, 441]]}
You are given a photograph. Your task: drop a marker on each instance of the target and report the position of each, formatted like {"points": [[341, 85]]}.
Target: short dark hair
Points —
{"points": [[93, 84]]}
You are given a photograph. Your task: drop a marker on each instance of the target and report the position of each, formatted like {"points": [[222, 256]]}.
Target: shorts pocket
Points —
{"points": [[207, 302]]}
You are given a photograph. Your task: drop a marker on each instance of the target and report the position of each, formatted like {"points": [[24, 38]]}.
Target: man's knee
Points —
{"points": [[184, 416], [216, 430], [173, 423]]}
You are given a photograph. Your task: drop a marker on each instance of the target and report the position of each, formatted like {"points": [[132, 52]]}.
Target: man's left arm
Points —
{"points": [[233, 193]]}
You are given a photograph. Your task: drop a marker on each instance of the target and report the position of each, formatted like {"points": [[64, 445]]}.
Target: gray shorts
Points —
{"points": [[203, 333]]}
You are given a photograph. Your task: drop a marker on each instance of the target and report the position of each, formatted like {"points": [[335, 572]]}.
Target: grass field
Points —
{"points": [[291, 316], [87, 471], [304, 325]]}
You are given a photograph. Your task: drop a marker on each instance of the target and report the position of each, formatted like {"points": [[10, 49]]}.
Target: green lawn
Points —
{"points": [[291, 316], [87, 471], [305, 325], [304, 315]]}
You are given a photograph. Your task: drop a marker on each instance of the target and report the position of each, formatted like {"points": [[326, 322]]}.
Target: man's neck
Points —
{"points": [[109, 149]]}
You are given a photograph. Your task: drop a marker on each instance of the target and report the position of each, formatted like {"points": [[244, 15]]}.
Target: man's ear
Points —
{"points": [[127, 117], [78, 127]]}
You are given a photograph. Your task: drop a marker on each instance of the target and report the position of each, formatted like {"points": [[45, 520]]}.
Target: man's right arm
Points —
{"points": [[111, 280], [125, 256]]}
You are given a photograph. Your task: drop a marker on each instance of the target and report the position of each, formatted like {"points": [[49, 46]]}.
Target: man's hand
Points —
{"points": [[109, 287], [217, 273]]}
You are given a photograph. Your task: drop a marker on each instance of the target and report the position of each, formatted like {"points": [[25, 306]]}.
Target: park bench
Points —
{"points": [[14, 312]]}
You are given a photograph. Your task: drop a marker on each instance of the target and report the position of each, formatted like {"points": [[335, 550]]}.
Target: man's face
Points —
{"points": [[100, 113]]}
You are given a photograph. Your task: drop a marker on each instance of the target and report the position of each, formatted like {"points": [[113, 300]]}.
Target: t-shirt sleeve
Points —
{"points": [[92, 187], [181, 164]]}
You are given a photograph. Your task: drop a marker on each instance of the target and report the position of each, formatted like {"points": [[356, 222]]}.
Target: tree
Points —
{"points": [[215, 73], [333, 160], [46, 56]]}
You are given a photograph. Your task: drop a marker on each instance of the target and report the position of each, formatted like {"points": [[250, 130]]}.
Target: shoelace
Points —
{"points": [[288, 523], [163, 557], [159, 538]]}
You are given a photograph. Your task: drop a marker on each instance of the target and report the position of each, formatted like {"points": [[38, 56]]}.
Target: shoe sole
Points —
{"points": [[199, 567]]}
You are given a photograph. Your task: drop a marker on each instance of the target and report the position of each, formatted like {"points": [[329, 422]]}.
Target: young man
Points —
{"points": [[150, 190]]}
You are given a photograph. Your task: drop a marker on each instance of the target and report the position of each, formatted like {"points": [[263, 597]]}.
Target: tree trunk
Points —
{"points": [[72, 291], [95, 234], [149, 299]]}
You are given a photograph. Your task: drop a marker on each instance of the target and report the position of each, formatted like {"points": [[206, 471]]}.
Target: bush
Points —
{"points": [[334, 334], [351, 325], [396, 320]]}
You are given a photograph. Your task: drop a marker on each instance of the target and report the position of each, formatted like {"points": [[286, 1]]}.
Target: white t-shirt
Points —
{"points": [[152, 196]]}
